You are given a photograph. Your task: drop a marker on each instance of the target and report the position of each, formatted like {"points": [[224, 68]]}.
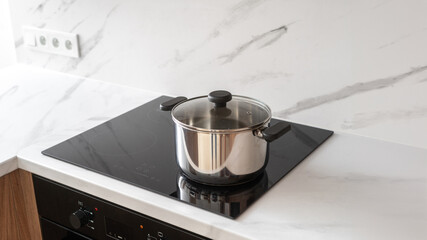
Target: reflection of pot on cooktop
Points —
{"points": [[228, 201]]}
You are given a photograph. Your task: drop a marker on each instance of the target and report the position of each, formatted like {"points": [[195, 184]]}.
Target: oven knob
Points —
{"points": [[78, 219]]}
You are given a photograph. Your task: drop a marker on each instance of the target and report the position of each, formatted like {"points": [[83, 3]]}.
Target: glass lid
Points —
{"points": [[221, 111]]}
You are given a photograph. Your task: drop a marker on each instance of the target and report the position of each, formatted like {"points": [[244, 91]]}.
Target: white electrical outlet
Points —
{"points": [[44, 40]]}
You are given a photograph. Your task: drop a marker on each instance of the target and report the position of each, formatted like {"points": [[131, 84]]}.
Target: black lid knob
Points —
{"points": [[78, 219], [220, 98]]}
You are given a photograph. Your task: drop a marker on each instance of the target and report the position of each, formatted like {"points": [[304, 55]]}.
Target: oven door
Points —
{"points": [[53, 231]]}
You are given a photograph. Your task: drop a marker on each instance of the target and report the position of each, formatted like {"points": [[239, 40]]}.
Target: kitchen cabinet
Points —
{"points": [[18, 210]]}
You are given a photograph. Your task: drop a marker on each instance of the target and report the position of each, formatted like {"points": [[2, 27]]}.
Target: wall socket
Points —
{"points": [[50, 41]]}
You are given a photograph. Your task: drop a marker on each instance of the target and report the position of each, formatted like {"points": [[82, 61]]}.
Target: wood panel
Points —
{"points": [[25, 206], [8, 229], [18, 210]]}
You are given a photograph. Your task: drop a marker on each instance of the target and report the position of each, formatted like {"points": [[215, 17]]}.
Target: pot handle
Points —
{"points": [[168, 105], [274, 132]]}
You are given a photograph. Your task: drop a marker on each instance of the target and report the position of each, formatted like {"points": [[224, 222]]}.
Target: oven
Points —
{"points": [[68, 214]]}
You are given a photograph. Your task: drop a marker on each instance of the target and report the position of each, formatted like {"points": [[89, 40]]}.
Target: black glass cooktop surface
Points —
{"points": [[138, 147]]}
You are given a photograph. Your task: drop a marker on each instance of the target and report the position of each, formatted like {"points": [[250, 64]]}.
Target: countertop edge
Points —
{"points": [[8, 165], [96, 185]]}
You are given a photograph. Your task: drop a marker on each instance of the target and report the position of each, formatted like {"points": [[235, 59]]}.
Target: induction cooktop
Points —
{"points": [[138, 147]]}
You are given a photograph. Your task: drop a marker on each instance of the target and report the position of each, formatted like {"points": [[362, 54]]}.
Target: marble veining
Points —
{"points": [[9, 91], [87, 46], [73, 28], [361, 120], [65, 5], [394, 41], [40, 6], [349, 91], [98, 67], [237, 12], [269, 38], [40, 125], [61, 8], [69, 91], [92, 42], [263, 77]]}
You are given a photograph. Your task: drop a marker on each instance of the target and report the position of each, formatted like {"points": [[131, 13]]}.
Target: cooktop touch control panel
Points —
{"points": [[87, 217]]}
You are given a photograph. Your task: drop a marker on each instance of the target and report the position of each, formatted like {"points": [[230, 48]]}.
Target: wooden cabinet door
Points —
{"points": [[18, 211]]}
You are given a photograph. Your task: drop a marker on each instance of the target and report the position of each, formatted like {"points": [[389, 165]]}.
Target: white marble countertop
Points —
{"points": [[352, 187], [36, 102]]}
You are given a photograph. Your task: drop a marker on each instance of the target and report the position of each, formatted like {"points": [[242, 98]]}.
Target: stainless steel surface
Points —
{"points": [[222, 158]]}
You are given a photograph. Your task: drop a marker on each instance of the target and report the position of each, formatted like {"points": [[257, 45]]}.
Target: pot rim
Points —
{"points": [[223, 131]]}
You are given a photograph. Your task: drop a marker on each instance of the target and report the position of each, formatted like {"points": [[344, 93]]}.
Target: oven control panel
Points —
{"points": [[89, 217]]}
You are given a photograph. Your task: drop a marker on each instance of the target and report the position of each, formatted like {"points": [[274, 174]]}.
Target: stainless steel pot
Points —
{"points": [[222, 139]]}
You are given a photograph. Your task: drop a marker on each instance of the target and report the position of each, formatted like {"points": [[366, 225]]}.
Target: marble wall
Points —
{"points": [[7, 50], [354, 66]]}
